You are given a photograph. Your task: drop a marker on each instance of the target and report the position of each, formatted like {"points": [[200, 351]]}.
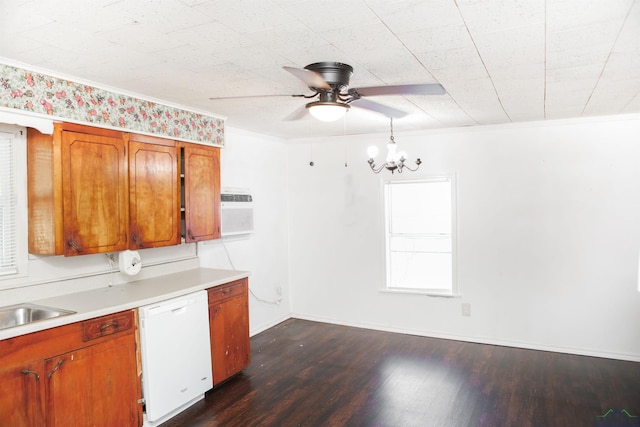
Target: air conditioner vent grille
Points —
{"points": [[236, 197], [236, 213]]}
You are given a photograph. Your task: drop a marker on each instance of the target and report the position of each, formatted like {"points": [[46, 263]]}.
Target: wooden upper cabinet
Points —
{"points": [[154, 192], [44, 193], [201, 192], [95, 193], [93, 190], [78, 190]]}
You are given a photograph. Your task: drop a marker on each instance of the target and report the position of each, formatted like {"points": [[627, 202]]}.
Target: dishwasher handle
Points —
{"points": [[179, 310], [173, 306]]}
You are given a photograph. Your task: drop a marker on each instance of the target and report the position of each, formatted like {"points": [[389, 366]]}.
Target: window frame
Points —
{"points": [[18, 137], [455, 289]]}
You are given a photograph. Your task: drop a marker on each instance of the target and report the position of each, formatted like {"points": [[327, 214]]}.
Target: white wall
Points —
{"points": [[549, 233], [257, 163]]}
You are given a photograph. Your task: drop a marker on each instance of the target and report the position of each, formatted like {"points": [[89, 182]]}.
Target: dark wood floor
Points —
{"points": [[314, 374]]}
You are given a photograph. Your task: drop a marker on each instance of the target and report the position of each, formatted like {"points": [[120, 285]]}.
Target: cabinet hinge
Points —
{"points": [[141, 400]]}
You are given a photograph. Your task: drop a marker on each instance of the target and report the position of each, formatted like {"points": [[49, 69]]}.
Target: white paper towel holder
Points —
{"points": [[130, 262]]}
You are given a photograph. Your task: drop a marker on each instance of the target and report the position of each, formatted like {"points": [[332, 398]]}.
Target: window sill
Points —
{"points": [[423, 292]]}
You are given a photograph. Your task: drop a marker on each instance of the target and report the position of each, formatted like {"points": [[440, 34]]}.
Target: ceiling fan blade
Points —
{"points": [[215, 98], [310, 78], [417, 89], [297, 114], [379, 108]]}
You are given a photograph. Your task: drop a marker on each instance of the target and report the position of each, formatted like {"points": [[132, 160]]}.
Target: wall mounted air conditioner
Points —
{"points": [[236, 212]]}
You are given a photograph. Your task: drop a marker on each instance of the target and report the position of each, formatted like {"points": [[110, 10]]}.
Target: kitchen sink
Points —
{"points": [[22, 314]]}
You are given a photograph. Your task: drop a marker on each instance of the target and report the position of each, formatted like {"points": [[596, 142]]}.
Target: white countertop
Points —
{"points": [[103, 301]]}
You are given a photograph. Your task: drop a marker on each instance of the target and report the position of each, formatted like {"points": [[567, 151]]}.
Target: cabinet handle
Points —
{"points": [[34, 373], [137, 241], [190, 234], [113, 324], [56, 368], [73, 246], [215, 313]]}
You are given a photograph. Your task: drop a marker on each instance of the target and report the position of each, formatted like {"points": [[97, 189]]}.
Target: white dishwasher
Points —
{"points": [[176, 355]]}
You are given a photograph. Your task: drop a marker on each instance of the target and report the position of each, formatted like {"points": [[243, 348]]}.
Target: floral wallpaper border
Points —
{"points": [[39, 93]]}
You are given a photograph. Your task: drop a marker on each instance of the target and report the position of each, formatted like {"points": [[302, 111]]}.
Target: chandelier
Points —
{"points": [[394, 160]]}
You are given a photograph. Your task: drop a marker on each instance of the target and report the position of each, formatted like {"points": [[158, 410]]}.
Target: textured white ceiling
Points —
{"points": [[499, 60]]}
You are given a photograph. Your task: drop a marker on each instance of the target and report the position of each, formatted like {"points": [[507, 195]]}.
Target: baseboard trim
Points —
{"points": [[261, 328], [477, 340]]}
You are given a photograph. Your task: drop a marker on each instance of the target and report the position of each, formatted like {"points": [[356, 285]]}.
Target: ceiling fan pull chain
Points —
{"points": [[344, 133]]}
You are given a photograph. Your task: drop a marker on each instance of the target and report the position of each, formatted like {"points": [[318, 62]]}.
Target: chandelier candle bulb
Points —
{"points": [[372, 151]]}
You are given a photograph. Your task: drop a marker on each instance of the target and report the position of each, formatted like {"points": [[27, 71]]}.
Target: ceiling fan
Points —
{"points": [[329, 82]]}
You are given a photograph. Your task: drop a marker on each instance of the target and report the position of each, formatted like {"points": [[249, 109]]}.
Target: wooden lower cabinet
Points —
{"points": [[22, 396], [229, 329], [75, 380], [92, 386]]}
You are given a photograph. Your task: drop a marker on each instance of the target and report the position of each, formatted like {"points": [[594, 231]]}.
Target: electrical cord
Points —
{"points": [[111, 267], [276, 302]]}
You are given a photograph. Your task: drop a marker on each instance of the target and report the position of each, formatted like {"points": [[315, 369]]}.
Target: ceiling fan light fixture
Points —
{"points": [[328, 111]]}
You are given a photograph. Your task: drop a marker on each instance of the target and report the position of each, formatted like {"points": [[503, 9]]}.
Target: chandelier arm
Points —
{"points": [[373, 166], [418, 162]]}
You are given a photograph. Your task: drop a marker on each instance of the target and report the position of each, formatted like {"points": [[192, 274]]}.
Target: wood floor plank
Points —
{"points": [[306, 373]]}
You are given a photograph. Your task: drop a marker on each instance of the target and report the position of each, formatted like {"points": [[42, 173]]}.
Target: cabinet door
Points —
{"points": [[95, 193], [202, 192], [21, 399], [154, 199], [94, 386], [229, 329]]}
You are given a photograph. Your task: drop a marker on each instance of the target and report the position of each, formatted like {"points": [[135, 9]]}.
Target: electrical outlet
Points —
{"points": [[279, 291], [466, 309]]}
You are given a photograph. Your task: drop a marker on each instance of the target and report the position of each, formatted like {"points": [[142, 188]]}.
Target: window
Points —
{"points": [[12, 236], [420, 235]]}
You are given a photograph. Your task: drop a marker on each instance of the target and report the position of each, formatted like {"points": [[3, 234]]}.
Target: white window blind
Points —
{"points": [[420, 235], [8, 205]]}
